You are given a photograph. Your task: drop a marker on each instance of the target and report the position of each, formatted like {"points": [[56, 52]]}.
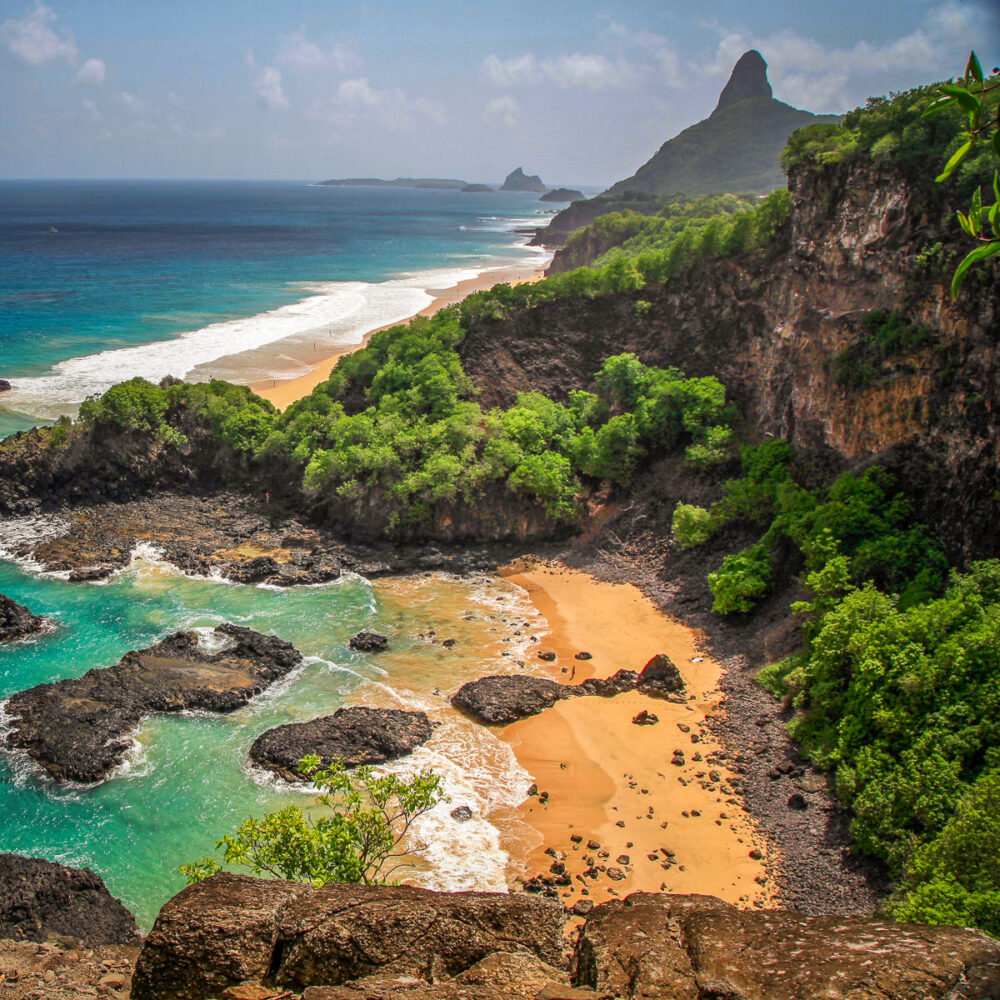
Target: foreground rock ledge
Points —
{"points": [[356, 736], [504, 698], [16, 621], [347, 941], [39, 898], [75, 728], [233, 929]]}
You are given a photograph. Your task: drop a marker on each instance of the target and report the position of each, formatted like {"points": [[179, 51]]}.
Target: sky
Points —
{"points": [[581, 92]]}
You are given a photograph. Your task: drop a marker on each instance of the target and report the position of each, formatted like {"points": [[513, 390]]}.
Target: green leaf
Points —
{"points": [[974, 69], [973, 257], [996, 141], [963, 221], [994, 217], [939, 105], [976, 212], [996, 183], [968, 101], [956, 158]]}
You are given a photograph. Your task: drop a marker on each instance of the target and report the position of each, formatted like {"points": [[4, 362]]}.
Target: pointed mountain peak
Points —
{"points": [[748, 79]]}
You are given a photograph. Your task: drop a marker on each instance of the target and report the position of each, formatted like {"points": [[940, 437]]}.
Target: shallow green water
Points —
{"points": [[188, 782]]}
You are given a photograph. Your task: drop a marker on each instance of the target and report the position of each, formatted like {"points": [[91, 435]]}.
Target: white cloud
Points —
{"points": [[358, 93], [502, 111], [34, 40], [432, 109], [91, 108], [131, 102], [356, 103], [299, 53], [512, 72], [585, 72], [270, 93], [92, 72]]}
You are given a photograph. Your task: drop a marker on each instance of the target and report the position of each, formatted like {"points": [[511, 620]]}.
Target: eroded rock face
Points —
{"points": [[16, 621], [233, 929], [693, 947], [39, 898], [356, 736], [76, 728], [505, 698]]}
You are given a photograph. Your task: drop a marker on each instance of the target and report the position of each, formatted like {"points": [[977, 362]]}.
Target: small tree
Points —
{"points": [[357, 839]]}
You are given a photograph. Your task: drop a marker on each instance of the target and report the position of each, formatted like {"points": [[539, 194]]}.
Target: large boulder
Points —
{"points": [[39, 898], [78, 729], [695, 947], [234, 929], [16, 621], [355, 736], [504, 698]]}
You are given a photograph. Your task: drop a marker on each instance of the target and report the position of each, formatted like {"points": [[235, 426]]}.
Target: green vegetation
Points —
{"points": [[357, 837]]}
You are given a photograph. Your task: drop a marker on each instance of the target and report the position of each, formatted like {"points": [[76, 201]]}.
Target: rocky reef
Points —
{"points": [[77, 729], [518, 180], [504, 698], [16, 621], [355, 736], [239, 934], [39, 898]]}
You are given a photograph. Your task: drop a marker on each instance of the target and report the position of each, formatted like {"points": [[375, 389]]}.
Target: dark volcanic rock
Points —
{"points": [[369, 642], [748, 80], [562, 194], [232, 929], [518, 180], [651, 945], [607, 687], [660, 678], [38, 898], [5, 386], [356, 736], [76, 729], [505, 698], [16, 621]]}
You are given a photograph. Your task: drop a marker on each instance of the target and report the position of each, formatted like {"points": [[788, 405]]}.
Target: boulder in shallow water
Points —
{"points": [[232, 929], [79, 729], [356, 736], [5, 386], [505, 698], [369, 642], [16, 621], [39, 898]]}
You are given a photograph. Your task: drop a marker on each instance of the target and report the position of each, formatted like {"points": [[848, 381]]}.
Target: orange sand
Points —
{"points": [[601, 770], [284, 392]]}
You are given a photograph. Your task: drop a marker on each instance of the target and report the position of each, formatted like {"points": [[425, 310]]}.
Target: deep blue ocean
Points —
{"points": [[90, 267]]}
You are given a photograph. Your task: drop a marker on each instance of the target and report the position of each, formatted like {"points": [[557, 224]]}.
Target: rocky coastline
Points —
{"points": [[78, 729], [16, 621]]}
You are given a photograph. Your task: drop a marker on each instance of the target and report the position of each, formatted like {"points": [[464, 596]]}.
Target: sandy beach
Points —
{"points": [[660, 826], [284, 392]]}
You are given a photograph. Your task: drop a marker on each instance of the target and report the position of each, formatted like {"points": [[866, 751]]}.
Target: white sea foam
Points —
{"points": [[20, 536], [331, 315]]}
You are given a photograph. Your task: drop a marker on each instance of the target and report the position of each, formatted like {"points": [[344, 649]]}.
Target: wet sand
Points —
{"points": [[284, 392], [612, 782]]}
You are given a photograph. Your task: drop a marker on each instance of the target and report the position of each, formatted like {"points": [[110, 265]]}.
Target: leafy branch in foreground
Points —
{"points": [[980, 125], [358, 838]]}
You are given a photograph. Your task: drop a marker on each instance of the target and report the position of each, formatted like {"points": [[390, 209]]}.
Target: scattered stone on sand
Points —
{"points": [[356, 736], [462, 814], [78, 729], [16, 621], [645, 718], [660, 677], [547, 655], [39, 898], [583, 655], [369, 642]]}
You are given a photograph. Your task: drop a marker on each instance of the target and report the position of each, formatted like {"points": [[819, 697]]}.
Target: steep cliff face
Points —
{"points": [[791, 337]]}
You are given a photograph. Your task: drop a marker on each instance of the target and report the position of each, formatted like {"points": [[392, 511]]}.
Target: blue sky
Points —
{"points": [[581, 92]]}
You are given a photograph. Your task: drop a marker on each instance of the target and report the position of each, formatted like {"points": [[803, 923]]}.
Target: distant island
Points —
{"points": [[562, 194], [427, 183], [518, 180], [477, 188]]}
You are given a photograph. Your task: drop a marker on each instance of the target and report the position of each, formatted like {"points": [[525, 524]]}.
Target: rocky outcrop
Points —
{"points": [[747, 81], [369, 642], [505, 698], [344, 942], [355, 736], [653, 946], [77, 729], [518, 180], [233, 929], [5, 386], [39, 898], [562, 194], [16, 621]]}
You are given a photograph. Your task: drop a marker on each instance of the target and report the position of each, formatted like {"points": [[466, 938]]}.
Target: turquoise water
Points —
{"points": [[104, 280], [187, 783]]}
